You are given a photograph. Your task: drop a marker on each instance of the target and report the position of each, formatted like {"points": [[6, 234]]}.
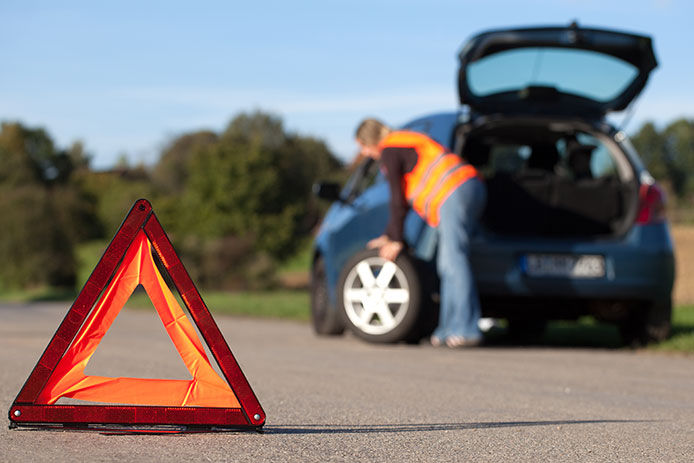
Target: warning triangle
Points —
{"points": [[205, 401]]}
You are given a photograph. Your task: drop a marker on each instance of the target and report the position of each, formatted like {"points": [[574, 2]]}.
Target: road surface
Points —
{"points": [[339, 399]]}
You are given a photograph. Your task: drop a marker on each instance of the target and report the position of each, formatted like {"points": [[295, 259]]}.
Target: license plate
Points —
{"points": [[565, 265]]}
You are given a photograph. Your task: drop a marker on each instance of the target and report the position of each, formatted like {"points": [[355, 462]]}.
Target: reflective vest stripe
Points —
{"points": [[419, 185], [453, 181], [433, 193], [440, 170]]}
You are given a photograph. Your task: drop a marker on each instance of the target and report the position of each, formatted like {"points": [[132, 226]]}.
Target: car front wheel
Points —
{"points": [[380, 300], [325, 319]]}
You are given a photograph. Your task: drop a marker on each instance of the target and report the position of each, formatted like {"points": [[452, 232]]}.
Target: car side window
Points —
{"points": [[506, 158], [365, 175], [602, 164], [586, 155], [421, 126]]}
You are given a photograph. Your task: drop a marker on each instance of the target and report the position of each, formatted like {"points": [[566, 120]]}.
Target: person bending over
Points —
{"points": [[449, 195]]}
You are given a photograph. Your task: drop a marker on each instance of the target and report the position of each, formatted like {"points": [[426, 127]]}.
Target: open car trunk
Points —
{"points": [[554, 70], [548, 179]]}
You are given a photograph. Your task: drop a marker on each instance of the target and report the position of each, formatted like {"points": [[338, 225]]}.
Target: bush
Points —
{"points": [[34, 249], [254, 183], [43, 210], [228, 263], [237, 202]]}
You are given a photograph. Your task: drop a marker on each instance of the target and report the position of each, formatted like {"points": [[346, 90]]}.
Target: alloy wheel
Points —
{"points": [[376, 295]]}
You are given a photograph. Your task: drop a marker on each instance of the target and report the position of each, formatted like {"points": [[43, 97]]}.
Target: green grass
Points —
{"points": [[294, 305], [283, 304], [38, 294], [587, 332], [682, 337]]}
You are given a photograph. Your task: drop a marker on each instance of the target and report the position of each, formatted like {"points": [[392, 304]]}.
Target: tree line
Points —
{"points": [[668, 154], [235, 203]]}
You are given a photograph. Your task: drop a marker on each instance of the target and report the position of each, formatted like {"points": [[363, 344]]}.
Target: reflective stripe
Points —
{"points": [[435, 192], [420, 185], [442, 169], [457, 178]]}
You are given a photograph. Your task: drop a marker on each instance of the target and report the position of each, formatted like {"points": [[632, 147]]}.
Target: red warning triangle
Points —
{"points": [[205, 401]]}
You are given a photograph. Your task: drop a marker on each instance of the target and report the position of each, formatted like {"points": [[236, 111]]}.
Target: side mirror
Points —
{"points": [[327, 190]]}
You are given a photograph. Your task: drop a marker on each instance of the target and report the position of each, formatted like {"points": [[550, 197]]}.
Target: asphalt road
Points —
{"points": [[340, 399]]}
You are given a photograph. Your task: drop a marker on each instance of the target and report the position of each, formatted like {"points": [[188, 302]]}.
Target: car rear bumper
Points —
{"points": [[638, 266]]}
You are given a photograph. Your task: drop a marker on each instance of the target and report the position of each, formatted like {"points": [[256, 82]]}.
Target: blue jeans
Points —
{"points": [[460, 305]]}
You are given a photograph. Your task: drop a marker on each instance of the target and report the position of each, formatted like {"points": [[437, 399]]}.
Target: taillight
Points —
{"points": [[651, 204]]}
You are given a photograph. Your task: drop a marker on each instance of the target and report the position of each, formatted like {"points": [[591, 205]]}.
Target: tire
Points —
{"points": [[646, 324], [380, 307], [326, 320]]}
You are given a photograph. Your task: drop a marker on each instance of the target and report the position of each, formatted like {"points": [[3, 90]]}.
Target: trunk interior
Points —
{"points": [[552, 180]]}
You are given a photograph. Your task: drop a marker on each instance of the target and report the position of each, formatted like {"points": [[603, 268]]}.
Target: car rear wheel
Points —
{"points": [[380, 300], [326, 320], [649, 323]]}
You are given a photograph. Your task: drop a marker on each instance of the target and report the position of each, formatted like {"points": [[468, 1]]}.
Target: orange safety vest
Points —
{"points": [[437, 173]]}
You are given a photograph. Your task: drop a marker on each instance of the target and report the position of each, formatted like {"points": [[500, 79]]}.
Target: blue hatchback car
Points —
{"points": [[574, 223]]}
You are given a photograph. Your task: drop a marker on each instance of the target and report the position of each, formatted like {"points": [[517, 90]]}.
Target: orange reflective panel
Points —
{"points": [[205, 389]]}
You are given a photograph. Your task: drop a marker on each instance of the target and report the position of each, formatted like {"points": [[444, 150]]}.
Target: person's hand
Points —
{"points": [[387, 248], [390, 250], [377, 243]]}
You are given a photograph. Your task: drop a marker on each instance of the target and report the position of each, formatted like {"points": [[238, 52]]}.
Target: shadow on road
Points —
{"points": [[560, 334], [424, 427]]}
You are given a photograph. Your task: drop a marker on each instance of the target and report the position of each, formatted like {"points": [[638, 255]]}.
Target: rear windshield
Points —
{"points": [[584, 73]]}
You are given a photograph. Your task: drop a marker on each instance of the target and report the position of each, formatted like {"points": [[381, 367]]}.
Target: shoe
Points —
{"points": [[435, 341], [455, 342]]}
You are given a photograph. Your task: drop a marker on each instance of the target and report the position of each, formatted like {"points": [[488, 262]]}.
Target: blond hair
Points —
{"points": [[371, 131]]}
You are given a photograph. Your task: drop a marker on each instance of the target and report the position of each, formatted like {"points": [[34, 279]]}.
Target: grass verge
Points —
{"points": [[587, 332], [682, 336], [294, 305], [283, 304], [39, 294]]}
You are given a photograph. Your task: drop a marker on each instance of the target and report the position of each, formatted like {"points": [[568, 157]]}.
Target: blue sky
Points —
{"points": [[127, 76]]}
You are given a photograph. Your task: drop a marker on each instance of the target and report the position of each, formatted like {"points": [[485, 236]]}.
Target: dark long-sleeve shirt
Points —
{"points": [[397, 162]]}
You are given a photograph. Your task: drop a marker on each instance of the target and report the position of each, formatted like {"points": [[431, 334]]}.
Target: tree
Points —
{"points": [[115, 191], [250, 189], [651, 148], [236, 202], [262, 128], [30, 156], [171, 171], [36, 210], [679, 149], [34, 249], [669, 154]]}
